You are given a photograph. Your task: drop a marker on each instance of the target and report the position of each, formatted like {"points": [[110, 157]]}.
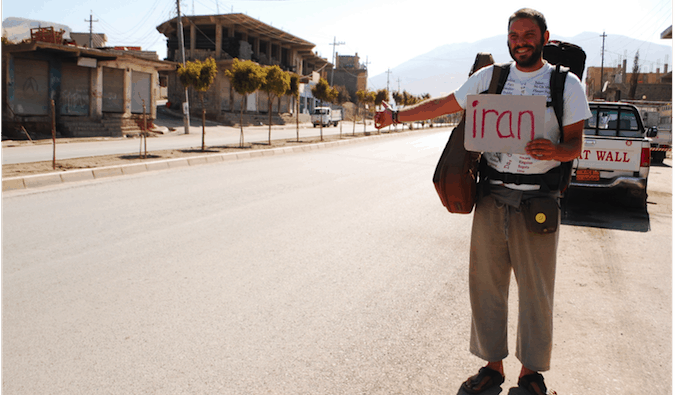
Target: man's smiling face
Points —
{"points": [[526, 43]]}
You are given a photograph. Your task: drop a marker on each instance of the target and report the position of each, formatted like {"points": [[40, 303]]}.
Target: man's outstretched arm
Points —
{"points": [[428, 109]]}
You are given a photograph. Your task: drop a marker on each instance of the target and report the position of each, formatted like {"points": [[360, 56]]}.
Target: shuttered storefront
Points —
{"points": [[75, 81], [31, 87], [140, 90], [113, 90]]}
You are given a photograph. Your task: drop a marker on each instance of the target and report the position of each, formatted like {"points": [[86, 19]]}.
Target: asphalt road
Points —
{"points": [[334, 271]]}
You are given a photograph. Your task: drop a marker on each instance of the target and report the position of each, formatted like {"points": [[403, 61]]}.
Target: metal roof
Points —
{"points": [[244, 21], [74, 51]]}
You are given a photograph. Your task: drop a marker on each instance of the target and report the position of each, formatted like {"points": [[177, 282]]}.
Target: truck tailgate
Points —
{"points": [[602, 153]]}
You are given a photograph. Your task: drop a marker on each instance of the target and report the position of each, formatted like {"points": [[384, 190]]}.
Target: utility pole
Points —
{"points": [[181, 46], [602, 64], [333, 69], [91, 29], [365, 65], [388, 73]]}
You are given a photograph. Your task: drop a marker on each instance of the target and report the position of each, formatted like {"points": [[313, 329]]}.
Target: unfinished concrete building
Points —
{"points": [[229, 36], [350, 73]]}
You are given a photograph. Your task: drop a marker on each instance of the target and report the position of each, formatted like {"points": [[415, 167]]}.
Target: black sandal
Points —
{"points": [[485, 379], [534, 384]]}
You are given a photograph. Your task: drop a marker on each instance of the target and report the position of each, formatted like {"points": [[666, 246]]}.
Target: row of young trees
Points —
{"points": [[248, 77], [374, 98]]}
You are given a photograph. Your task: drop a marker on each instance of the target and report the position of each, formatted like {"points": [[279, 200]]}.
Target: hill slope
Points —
{"points": [[445, 68]]}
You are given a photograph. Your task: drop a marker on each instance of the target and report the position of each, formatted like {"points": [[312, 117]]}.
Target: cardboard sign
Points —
{"points": [[503, 123]]}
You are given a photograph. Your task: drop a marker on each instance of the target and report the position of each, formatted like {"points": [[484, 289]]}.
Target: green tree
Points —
{"points": [[294, 91], [382, 95], [409, 99], [277, 83], [199, 75], [360, 99], [398, 99], [324, 92], [246, 77], [365, 97], [636, 75], [342, 97]]}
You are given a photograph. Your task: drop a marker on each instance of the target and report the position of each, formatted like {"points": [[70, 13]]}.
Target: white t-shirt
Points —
{"points": [[575, 109]]}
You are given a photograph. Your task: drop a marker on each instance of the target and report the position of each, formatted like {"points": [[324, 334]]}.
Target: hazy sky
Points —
{"points": [[385, 33]]}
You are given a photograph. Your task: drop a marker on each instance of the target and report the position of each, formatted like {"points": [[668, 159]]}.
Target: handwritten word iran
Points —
{"points": [[497, 123]]}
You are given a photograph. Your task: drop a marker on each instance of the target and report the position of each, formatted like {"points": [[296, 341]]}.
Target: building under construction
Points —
{"points": [[229, 36]]}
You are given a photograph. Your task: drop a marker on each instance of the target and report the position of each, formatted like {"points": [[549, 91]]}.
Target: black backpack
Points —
{"points": [[566, 54], [573, 58]]}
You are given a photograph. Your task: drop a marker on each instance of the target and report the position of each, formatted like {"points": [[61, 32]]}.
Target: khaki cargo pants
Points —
{"points": [[500, 243]]}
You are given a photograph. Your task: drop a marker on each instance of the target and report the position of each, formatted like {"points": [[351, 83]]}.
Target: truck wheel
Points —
{"points": [[314, 125], [658, 156], [637, 199]]}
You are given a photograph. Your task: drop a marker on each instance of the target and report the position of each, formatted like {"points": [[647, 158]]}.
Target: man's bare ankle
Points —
{"points": [[498, 366], [525, 371]]}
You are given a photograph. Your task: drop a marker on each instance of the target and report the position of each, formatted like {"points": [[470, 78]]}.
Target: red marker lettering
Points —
{"points": [[474, 104], [485, 112], [499, 121], [520, 121]]}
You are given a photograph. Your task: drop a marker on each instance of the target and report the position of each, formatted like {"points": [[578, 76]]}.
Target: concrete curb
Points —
{"points": [[47, 179]]}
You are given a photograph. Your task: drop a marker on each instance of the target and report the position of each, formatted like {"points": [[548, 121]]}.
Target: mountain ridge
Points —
{"points": [[443, 69], [16, 29]]}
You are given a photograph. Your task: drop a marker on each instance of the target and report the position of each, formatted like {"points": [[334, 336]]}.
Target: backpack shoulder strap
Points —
{"points": [[500, 72], [558, 77]]}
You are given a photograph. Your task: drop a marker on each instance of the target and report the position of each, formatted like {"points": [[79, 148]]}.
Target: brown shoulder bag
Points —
{"points": [[456, 173]]}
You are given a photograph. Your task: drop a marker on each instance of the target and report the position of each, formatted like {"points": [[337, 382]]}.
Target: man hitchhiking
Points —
{"points": [[504, 234]]}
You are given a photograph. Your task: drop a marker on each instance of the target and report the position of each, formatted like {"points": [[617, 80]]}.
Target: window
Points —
{"points": [[612, 122]]}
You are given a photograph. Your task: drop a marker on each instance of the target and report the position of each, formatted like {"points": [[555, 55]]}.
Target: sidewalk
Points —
{"points": [[61, 177]]}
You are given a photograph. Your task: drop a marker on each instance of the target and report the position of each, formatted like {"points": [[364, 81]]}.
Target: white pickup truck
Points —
{"points": [[326, 116], [615, 153]]}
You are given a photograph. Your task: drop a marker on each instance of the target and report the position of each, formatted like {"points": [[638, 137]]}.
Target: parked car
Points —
{"points": [[615, 154], [326, 116]]}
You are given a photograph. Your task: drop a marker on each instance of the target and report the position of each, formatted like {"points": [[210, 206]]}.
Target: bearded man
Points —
{"points": [[500, 239]]}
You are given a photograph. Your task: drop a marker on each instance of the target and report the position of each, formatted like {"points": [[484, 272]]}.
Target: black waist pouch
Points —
{"points": [[541, 214]]}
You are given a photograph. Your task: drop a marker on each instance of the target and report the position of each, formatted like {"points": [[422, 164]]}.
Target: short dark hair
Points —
{"points": [[529, 13]]}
